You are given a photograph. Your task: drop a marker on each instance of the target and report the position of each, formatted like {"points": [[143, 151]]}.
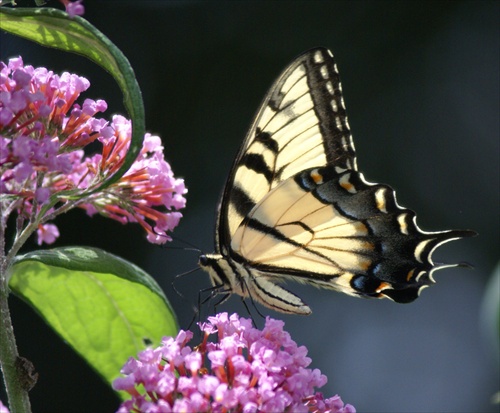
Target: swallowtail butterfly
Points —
{"points": [[295, 207]]}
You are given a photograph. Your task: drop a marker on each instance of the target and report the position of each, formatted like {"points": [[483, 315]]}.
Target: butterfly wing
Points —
{"points": [[301, 124], [295, 205], [337, 231]]}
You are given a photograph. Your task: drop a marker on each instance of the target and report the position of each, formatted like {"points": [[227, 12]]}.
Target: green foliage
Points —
{"points": [[103, 306]]}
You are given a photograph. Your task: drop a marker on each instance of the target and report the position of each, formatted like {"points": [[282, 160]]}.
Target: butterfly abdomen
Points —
{"points": [[231, 276]]}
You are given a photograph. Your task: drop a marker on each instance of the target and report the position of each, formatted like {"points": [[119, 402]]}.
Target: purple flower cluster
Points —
{"points": [[43, 167], [245, 370]]}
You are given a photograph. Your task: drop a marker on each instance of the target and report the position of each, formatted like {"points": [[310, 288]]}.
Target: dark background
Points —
{"points": [[421, 85]]}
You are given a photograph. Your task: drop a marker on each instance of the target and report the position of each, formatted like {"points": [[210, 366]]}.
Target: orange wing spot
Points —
{"points": [[316, 177], [368, 246], [360, 227], [365, 265], [383, 286], [409, 276], [347, 186]]}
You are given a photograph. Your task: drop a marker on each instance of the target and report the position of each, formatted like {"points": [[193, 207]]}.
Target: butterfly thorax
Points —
{"points": [[226, 274]]}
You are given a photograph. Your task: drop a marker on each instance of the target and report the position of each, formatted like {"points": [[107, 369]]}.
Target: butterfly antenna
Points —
{"points": [[169, 247], [192, 246]]}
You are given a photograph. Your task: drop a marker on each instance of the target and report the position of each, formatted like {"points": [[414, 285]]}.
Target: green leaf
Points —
{"points": [[54, 28], [103, 306]]}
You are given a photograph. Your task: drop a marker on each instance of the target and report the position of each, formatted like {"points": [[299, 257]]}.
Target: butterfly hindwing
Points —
{"points": [[337, 231]]}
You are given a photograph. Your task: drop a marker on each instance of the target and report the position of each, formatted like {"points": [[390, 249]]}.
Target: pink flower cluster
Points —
{"points": [[43, 132], [245, 370], [145, 193]]}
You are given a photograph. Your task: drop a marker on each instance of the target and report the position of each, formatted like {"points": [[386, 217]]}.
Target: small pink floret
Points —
{"points": [[75, 8], [47, 233], [3, 409]]}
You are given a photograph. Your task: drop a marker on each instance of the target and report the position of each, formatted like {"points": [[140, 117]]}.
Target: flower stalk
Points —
{"points": [[17, 394]]}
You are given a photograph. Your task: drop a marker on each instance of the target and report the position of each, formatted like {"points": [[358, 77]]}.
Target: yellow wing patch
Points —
{"points": [[302, 234]]}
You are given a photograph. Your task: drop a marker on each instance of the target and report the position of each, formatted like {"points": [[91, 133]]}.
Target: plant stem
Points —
{"points": [[18, 396]]}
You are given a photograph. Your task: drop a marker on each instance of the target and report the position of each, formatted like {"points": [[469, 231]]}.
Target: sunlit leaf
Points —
{"points": [[104, 307]]}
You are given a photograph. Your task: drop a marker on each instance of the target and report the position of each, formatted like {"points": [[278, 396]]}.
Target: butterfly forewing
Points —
{"points": [[302, 124]]}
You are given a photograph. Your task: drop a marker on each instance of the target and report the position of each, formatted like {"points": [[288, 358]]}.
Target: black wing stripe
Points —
{"points": [[266, 139], [360, 241], [278, 106], [300, 224], [256, 163], [311, 276], [241, 202], [259, 226]]}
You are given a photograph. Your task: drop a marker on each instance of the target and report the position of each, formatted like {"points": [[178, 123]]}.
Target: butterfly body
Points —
{"points": [[296, 208]]}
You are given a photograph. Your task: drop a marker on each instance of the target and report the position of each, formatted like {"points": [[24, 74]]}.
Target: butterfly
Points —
{"points": [[295, 207]]}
